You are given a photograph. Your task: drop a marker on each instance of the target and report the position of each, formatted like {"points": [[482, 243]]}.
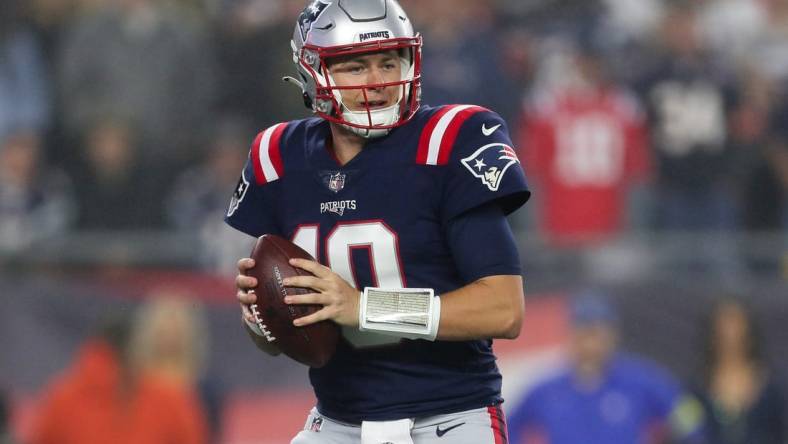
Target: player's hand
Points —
{"points": [[246, 296], [338, 298], [245, 285]]}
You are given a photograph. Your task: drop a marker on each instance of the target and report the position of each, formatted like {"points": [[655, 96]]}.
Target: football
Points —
{"points": [[312, 345]]}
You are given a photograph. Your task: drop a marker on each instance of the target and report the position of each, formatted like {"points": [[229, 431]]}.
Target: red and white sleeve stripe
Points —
{"points": [[266, 154], [440, 133]]}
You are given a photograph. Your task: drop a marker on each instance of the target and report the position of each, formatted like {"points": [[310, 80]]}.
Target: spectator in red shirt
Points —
{"points": [[584, 142], [102, 399]]}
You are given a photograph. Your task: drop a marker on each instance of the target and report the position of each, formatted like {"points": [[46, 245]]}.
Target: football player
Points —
{"points": [[404, 206]]}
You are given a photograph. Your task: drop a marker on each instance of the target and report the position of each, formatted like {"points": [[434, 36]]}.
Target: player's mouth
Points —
{"points": [[374, 104]]}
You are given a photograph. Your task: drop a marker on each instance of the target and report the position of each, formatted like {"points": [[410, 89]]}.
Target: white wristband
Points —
{"points": [[412, 313]]}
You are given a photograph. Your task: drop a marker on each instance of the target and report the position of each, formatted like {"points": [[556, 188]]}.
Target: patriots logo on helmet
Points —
{"points": [[490, 162], [309, 16]]}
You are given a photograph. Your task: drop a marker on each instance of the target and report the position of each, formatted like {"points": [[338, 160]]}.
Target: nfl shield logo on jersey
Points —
{"points": [[336, 182], [490, 162]]}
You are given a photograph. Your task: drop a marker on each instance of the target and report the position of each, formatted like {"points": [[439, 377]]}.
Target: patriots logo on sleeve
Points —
{"points": [[490, 162], [238, 194]]}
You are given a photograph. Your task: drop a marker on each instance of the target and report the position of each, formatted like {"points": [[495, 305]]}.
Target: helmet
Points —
{"points": [[333, 28]]}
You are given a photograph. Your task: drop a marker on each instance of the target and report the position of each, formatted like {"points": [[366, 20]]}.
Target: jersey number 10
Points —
{"points": [[383, 247]]}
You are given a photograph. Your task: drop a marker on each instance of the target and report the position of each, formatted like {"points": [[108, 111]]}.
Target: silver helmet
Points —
{"points": [[334, 28]]}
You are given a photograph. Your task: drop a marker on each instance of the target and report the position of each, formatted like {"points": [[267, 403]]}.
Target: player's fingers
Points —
{"points": [[245, 264], [246, 297], [313, 267], [309, 298], [245, 282], [305, 282], [320, 315]]}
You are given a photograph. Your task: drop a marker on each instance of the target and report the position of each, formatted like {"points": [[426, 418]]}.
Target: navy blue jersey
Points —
{"points": [[421, 207]]}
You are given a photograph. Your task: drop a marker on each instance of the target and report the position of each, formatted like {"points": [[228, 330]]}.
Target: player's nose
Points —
{"points": [[375, 77]]}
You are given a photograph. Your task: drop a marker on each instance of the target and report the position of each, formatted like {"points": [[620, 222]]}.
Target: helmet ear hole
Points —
{"points": [[307, 100]]}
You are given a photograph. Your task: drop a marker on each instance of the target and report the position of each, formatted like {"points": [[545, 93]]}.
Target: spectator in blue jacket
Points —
{"points": [[604, 396]]}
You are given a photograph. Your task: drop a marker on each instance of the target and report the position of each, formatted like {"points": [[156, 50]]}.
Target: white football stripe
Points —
{"points": [[439, 131], [265, 156]]}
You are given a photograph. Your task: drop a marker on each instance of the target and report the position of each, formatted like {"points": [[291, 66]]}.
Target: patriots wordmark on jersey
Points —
{"points": [[385, 219]]}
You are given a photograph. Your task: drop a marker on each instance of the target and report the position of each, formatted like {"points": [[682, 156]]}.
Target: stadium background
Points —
{"points": [[137, 141]]}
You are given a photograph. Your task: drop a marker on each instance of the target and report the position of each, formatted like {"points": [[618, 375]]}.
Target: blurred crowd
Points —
{"points": [[628, 115]]}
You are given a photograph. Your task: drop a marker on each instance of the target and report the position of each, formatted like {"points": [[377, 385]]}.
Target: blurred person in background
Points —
{"points": [[584, 138], [252, 61], [688, 95], [689, 92], [732, 28], [742, 401], [24, 91], [170, 342], [627, 21], [36, 199], [547, 15], [769, 48], [145, 62], [604, 396], [777, 155], [104, 396], [200, 193], [111, 182], [756, 180], [462, 60]]}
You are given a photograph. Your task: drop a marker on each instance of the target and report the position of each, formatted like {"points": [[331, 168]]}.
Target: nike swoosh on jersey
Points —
{"points": [[440, 432], [487, 131]]}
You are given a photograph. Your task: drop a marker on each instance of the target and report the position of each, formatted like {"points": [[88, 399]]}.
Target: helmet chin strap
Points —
{"points": [[383, 116]]}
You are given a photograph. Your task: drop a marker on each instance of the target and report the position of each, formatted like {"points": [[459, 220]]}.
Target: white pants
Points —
{"points": [[478, 426]]}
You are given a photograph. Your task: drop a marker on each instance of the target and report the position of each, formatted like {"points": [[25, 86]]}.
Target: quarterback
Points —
{"points": [[404, 206]]}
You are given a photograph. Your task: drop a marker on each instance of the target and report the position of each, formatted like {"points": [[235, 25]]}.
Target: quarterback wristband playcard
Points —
{"points": [[405, 312]]}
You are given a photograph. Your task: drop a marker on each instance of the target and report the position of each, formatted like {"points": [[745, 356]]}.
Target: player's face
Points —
{"points": [[368, 69]]}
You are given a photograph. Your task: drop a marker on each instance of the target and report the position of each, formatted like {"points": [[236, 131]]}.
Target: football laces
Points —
{"points": [[258, 319]]}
